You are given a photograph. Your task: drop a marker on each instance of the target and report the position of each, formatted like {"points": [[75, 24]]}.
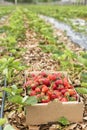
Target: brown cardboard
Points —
{"points": [[43, 113], [52, 111]]}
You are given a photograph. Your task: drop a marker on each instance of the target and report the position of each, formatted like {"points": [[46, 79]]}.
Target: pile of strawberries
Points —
{"points": [[47, 87]]}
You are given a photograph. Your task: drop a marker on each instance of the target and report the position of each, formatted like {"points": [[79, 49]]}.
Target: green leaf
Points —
{"points": [[8, 127], [83, 84], [63, 121], [2, 121], [31, 100], [15, 99], [8, 90], [81, 90]]}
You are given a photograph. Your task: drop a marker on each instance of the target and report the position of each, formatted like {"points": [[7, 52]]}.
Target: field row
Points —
{"points": [[13, 39]]}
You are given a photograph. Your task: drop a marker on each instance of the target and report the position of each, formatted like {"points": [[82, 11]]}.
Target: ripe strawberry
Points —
{"points": [[34, 85], [37, 90], [54, 86], [63, 91], [71, 92], [43, 74], [59, 82], [46, 82], [52, 77], [64, 99], [53, 96], [67, 94], [44, 88], [46, 99], [49, 93], [32, 93], [57, 93], [28, 83], [60, 87]]}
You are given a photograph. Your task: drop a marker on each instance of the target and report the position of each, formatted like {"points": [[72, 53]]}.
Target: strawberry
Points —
{"points": [[58, 82], [63, 91], [46, 99], [64, 99], [44, 88], [54, 86], [67, 94], [52, 77], [34, 85], [32, 93], [60, 87], [46, 82], [49, 93], [53, 96], [43, 74], [57, 93], [71, 92], [37, 90]]}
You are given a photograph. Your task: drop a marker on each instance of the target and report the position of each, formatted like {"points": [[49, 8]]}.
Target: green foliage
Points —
{"points": [[63, 121], [8, 65], [2, 121], [14, 96], [81, 90]]}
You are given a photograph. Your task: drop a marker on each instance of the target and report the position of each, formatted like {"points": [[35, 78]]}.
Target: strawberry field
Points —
{"points": [[39, 64]]}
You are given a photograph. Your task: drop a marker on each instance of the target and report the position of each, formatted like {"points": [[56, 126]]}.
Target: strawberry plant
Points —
{"points": [[8, 66], [15, 96]]}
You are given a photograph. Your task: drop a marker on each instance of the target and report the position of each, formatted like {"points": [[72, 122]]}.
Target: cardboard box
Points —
{"points": [[42, 113], [52, 111]]}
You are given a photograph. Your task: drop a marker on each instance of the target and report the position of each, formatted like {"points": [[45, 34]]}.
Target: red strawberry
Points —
{"points": [[49, 93], [52, 77], [46, 99], [63, 91], [44, 88], [58, 82], [71, 92], [37, 90], [54, 86], [32, 93], [64, 99], [60, 87], [46, 82], [57, 93], [53, 96], [34, 85], [43, 74]]}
